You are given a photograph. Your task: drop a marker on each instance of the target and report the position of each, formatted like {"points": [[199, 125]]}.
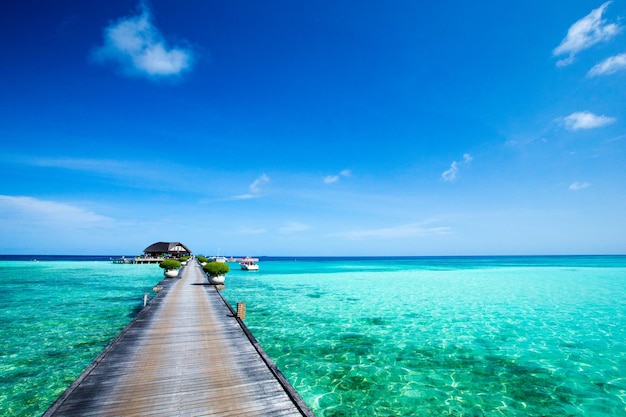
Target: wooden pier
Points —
{"points": [[137, 260], [185, 354], [152, 260]]}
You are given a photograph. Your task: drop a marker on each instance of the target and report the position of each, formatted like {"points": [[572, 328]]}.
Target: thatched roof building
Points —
{"points": [[167, 249]]}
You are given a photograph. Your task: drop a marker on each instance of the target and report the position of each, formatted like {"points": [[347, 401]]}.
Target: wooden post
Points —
{"points": [[241, 311], [145, 299]]}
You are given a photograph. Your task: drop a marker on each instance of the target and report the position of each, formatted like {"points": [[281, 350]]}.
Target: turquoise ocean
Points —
{"points": [[445, 336]]}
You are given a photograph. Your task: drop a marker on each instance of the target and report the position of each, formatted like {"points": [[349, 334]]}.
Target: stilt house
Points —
{"points": [[166, 250]]}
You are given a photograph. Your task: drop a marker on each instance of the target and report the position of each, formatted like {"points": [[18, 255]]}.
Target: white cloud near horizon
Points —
{"points": [[585, 33], [585, 120], [49, 213], [450, 175], [330, 179], [609, 66], [294, 227], [251, 231], [138, 47], [255, 189], [579, 186], [395, 232]]}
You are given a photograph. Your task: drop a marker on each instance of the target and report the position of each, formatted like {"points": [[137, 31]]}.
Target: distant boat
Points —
{"points": [[249, 264], [221, 259], [218, 258]]}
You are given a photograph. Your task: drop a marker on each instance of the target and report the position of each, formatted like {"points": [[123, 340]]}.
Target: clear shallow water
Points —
{"points": [[457, 337], [381, 337], [55, 318]]}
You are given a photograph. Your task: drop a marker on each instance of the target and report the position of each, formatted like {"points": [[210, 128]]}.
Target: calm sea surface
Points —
{"points": [[493, 336]]}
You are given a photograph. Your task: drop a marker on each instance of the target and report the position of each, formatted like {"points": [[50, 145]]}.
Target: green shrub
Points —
{"points": [[216, 268], [202, 259], [170, 264], [184, 258]]}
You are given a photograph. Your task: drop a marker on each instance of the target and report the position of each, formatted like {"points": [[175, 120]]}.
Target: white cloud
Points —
{"points": [[395, 232], [256, 185], [585, 33], [329, 179], [522, 140], [579, 186], [450, 175], [139, 48], [585, 120], [294, 227], [49, 213], [251, 231], [127, 173], [105, 167], [243, 197], [255, 188], [610, 65]]}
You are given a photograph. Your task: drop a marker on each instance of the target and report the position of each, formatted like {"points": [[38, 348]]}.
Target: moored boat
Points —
{"points": [[249, 264], [221, 259]]}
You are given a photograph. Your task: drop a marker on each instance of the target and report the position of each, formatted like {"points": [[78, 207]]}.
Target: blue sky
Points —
{"points": [[313, 127]]}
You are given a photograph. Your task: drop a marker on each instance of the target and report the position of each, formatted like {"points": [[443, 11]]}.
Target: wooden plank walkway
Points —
{"points": [[185, 354]]}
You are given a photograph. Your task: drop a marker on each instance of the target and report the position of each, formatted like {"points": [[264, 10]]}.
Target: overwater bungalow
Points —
{"points": [[156, 253], [166, 250]]}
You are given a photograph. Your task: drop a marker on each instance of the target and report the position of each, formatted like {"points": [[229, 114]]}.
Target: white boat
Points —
{"points": [[221, 259], [249, 264], [218, 258]]}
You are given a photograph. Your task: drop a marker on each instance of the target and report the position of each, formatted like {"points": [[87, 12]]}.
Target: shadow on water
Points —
{"points": [[525, 383], [317, 294], [375, 321], [136, 310]]}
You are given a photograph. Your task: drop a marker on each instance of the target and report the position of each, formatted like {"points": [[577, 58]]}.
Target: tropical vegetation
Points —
{"points": [[169, 264], [215, 269]]}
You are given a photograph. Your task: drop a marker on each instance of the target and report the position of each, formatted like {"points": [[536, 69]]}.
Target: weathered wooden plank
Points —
{"points": [[185, 354]]}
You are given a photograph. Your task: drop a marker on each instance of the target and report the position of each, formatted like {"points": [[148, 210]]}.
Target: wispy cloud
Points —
{"points": [[127, 173], [585, 120], [329, 179], [585, 33], [523, 140], [99, 166], [615, 139], [294, 227], [250, 231], [137, 46], [609, 66], [395, 232], [450, 175], [255, 189], [49, 213], [579, 186]]}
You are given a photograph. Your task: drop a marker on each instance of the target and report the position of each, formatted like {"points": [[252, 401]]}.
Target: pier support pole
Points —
{"points": [[145, 299], [241, 310]]}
